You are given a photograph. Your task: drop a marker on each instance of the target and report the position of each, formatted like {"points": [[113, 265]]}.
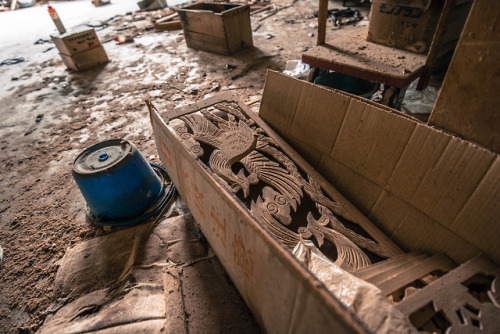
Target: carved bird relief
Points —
{"points": [[236, 138], [231, 142]]}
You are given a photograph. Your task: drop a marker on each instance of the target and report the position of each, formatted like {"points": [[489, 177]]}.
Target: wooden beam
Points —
{"points": [[435, 45]]}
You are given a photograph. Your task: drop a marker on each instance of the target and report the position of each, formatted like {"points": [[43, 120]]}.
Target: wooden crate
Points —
{"points": [[71, 43], [85, 60], [219, 28]]}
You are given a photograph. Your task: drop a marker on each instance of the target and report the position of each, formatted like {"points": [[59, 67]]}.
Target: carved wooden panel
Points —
{"points": [[281, 192], [466, 300]]}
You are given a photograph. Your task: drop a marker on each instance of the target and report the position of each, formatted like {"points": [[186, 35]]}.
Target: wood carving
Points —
{"points": [[465, 300], [282, 197]]}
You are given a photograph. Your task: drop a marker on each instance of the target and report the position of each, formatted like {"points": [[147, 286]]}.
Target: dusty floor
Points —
{"points": [[49, 114]]}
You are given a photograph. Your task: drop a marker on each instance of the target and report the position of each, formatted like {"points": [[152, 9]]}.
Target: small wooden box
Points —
{"points": [[220, 28], [85, 60], [71, 43]]}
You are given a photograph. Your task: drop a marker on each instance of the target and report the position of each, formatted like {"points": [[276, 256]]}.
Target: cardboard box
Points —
{"points": [[74, 42], [219, 28], [283, 296], [411, 24], [426, 189], [408, 25], [85, 60]]}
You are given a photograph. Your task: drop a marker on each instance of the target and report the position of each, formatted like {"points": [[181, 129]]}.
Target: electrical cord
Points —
{"points": [[164, 196]]}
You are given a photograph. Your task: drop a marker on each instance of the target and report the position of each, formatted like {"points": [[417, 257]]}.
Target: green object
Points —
{"points": [[346, 83]]}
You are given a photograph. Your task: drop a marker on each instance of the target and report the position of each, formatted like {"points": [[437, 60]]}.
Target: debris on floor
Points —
{"points": [[122, 39], [123, 280]]}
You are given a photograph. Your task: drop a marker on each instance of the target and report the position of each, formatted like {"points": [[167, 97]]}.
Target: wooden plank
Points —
{"points": [[437, 262], [468, 101], [436, 44], [168, 26], [382, 266], [351, 54], [379, 277], [167, 18]]}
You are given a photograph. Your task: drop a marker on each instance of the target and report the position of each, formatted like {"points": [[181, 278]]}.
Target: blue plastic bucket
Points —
{"points": [[116, 181], [346, 83]]}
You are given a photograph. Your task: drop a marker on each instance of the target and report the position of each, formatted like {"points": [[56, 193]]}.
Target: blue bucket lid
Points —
{"points": [[102, 156]]}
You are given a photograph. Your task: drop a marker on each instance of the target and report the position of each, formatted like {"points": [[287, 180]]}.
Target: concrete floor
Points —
{"points": [[49, 114]]}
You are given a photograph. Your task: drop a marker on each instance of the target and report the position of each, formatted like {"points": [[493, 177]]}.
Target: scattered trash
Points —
{"points": [[269, 36], [342, 17], [39, 118], [266, 8], [311, 35], [230, 67], [298, 69], [250, 67], [98, 27], [1, 255], [274, 12], [122, 39], [43, 41], [12, 61]]}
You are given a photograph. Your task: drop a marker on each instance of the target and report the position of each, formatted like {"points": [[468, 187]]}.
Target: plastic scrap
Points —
{"points": [[363, 298], [12, 61], [298, 69]]}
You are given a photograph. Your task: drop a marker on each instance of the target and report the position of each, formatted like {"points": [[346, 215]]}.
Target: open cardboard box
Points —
{"points": [[427, 190]]}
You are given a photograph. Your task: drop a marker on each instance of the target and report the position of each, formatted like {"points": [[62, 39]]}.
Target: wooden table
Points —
{"points": [[347, 51]]}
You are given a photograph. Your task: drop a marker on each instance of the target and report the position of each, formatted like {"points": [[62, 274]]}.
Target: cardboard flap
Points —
{"points": [[428, 190]]}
